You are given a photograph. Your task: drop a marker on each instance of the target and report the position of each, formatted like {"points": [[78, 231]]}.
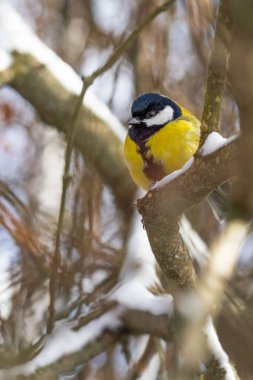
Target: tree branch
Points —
{"points": [[68, 362], [94, 137], [162, 208], [132, 323], [217, 72]]}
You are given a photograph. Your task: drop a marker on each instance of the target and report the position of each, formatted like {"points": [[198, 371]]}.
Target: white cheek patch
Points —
{"points": [[161, 118]]}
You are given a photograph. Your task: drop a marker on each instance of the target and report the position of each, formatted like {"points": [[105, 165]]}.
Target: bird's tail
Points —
{"points": [[218, 201]]}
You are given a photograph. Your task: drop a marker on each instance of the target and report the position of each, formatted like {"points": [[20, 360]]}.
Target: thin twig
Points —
{"points": [[66, 177], [124, 45], [65, 181]]}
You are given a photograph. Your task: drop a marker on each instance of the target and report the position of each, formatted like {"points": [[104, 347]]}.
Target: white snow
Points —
{"points": [[168, 178], [17, 36], [134, 295], [213, 142], [217, 350], [64, 341]]}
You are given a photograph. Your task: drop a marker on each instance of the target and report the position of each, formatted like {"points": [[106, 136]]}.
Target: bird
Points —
{"points": [[162, 136]]}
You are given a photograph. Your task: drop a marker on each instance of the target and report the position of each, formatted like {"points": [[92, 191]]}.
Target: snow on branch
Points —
{"points": [[18, 37], [162, 209], [125, 308], [39, 75], [213, 142]]}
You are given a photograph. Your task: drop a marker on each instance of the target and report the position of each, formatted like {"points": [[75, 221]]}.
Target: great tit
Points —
{"points": [[162, 137]]}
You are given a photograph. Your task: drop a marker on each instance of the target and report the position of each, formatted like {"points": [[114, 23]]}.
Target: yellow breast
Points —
{"points": [[172, 146]]}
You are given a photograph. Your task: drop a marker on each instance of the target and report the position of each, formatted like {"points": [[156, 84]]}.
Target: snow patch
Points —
{"points": [[213, 142], [64, 341], [135, 296], [19, 37]]}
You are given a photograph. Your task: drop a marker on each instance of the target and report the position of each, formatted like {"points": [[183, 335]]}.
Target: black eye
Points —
{"points": [[151, 113]]}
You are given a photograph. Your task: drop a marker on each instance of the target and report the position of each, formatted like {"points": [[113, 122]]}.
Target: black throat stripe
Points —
{"points": [[153, 170], [140, 135]]}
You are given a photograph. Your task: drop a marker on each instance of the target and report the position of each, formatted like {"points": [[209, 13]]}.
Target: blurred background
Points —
{"points": [[170, 56]]}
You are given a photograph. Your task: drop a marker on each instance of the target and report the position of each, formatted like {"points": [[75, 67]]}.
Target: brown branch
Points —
{"points": [[155, 325], [95, 139], [217, 72], [69, 362], [162, 208], [132, 323]]}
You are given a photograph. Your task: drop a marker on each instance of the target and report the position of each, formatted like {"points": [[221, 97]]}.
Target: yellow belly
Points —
{"points": [[172, 146]]}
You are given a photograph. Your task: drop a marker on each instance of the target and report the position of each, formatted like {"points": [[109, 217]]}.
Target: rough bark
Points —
{"points": [[217, 72], [162, 208]]}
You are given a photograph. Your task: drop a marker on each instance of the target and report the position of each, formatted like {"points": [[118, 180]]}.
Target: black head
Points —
{"points": [[153, 109]]}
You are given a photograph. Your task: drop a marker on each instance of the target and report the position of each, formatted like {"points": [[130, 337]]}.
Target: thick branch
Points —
{"points": [[55, 104], [155, 325], [162, 208], [217, 72], [68, 363], [132, 323]]}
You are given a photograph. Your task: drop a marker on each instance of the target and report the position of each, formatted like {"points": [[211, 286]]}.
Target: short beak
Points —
{"points": [[134, 121]]}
